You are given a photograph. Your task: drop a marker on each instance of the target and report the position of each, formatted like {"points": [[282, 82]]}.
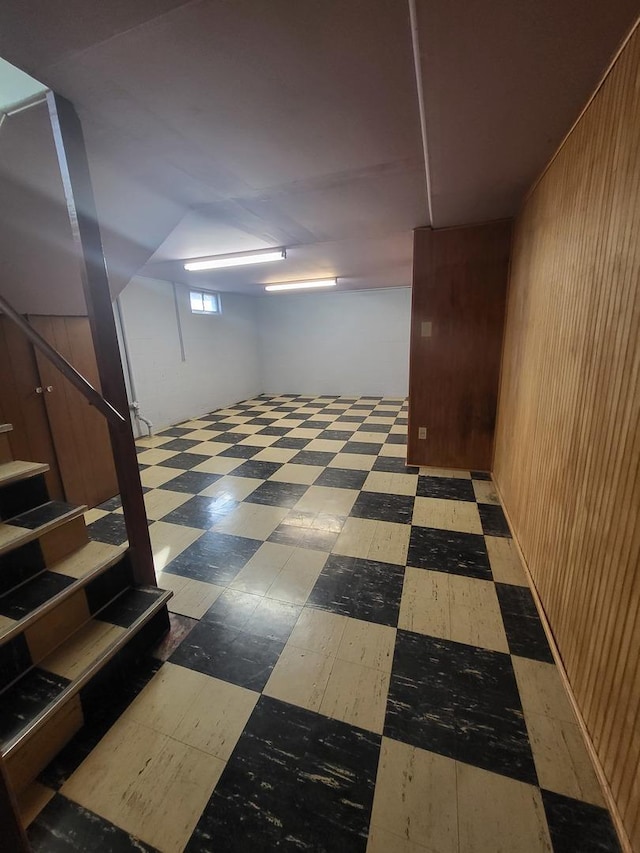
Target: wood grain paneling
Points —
{"points": [[568, 436], [79, 431], [459, 288], [30, 438]]}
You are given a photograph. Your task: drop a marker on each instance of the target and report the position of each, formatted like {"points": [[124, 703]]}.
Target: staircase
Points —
{"points": [[70, 617]]}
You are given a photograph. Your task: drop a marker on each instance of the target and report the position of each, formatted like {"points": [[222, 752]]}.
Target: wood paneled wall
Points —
{"points": [[459, 290], [568, 435], [20, 405]]}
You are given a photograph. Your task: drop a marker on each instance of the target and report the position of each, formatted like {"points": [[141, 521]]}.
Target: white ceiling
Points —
{"points": [[215, 126]]}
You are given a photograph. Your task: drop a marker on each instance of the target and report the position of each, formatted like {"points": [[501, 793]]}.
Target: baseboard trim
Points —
{"points": [[625, 843]]}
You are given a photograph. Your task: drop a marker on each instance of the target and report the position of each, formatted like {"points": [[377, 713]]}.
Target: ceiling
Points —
{"points": [[216, 126]]}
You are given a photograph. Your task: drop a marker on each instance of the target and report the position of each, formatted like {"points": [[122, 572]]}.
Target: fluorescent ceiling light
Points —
{"points": [[236, 260], [303, 285]]}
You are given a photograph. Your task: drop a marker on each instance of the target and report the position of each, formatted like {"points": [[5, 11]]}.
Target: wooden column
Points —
{"points": [[76, 179]]}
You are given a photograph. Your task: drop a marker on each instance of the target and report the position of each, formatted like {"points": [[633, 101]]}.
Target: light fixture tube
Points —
{"points": [[238, 260], [302, 285]]}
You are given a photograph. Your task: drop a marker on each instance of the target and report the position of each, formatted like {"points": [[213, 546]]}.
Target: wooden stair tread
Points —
{"points": [[25, 604], [33, 523], [27, 704], [11, 472]]}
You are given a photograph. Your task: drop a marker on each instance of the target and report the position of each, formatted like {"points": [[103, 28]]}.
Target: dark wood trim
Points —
{"points": [[76, 180]]}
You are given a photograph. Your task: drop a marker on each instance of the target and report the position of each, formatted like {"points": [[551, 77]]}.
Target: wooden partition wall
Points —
{"points": [[457, 318], [568, 436]]}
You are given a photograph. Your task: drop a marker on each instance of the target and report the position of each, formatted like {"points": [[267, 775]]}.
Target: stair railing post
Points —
{"points": [[74, 168]]}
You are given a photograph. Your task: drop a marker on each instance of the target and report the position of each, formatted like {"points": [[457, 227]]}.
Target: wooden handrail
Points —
{"points": [[68, 370]]}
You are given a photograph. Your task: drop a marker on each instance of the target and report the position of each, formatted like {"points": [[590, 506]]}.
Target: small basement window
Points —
{"points": [[204, 302]]}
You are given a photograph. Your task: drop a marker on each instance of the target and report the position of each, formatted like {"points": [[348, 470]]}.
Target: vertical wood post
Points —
{"points": [[76, 179]]}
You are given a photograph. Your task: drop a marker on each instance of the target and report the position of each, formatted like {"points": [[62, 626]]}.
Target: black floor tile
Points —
{"points": [[200, 511], [480, 475], [295, 781], [191, 482], [363, 589], [366, 448], [180, 444], [271, 430], [221, 437], [176, 432], [32, 594], [291, 443], [342, 478], [312, 457], [231, 437], [241, 451], [311, 424], [374, 427], [257, 470], [459, 701], [40, 515], [493, 520], [271, 493], [263, 420], [65, 827], [232, 610], [214, 558], [449, 551], [578, 827], [25, 699], [128, 607], [522, 624], [396, 438], [394, 465], [253, 614], [113, 503], [229, 654], [383, 507], [184, 461], [449, 488], [110, 528], [335, 435], [351, 419]]}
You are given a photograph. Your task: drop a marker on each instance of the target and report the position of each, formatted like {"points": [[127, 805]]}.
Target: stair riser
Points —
{"points": [[5, 448], [40, 638], [25, 763], [18, 497], [27, 561]]}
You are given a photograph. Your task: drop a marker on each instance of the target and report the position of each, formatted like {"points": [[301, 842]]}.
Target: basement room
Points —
{"points": [[319, 426]]}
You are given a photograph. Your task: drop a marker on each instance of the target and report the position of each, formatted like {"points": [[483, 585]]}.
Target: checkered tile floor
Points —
{"points": [[356, 662]]}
